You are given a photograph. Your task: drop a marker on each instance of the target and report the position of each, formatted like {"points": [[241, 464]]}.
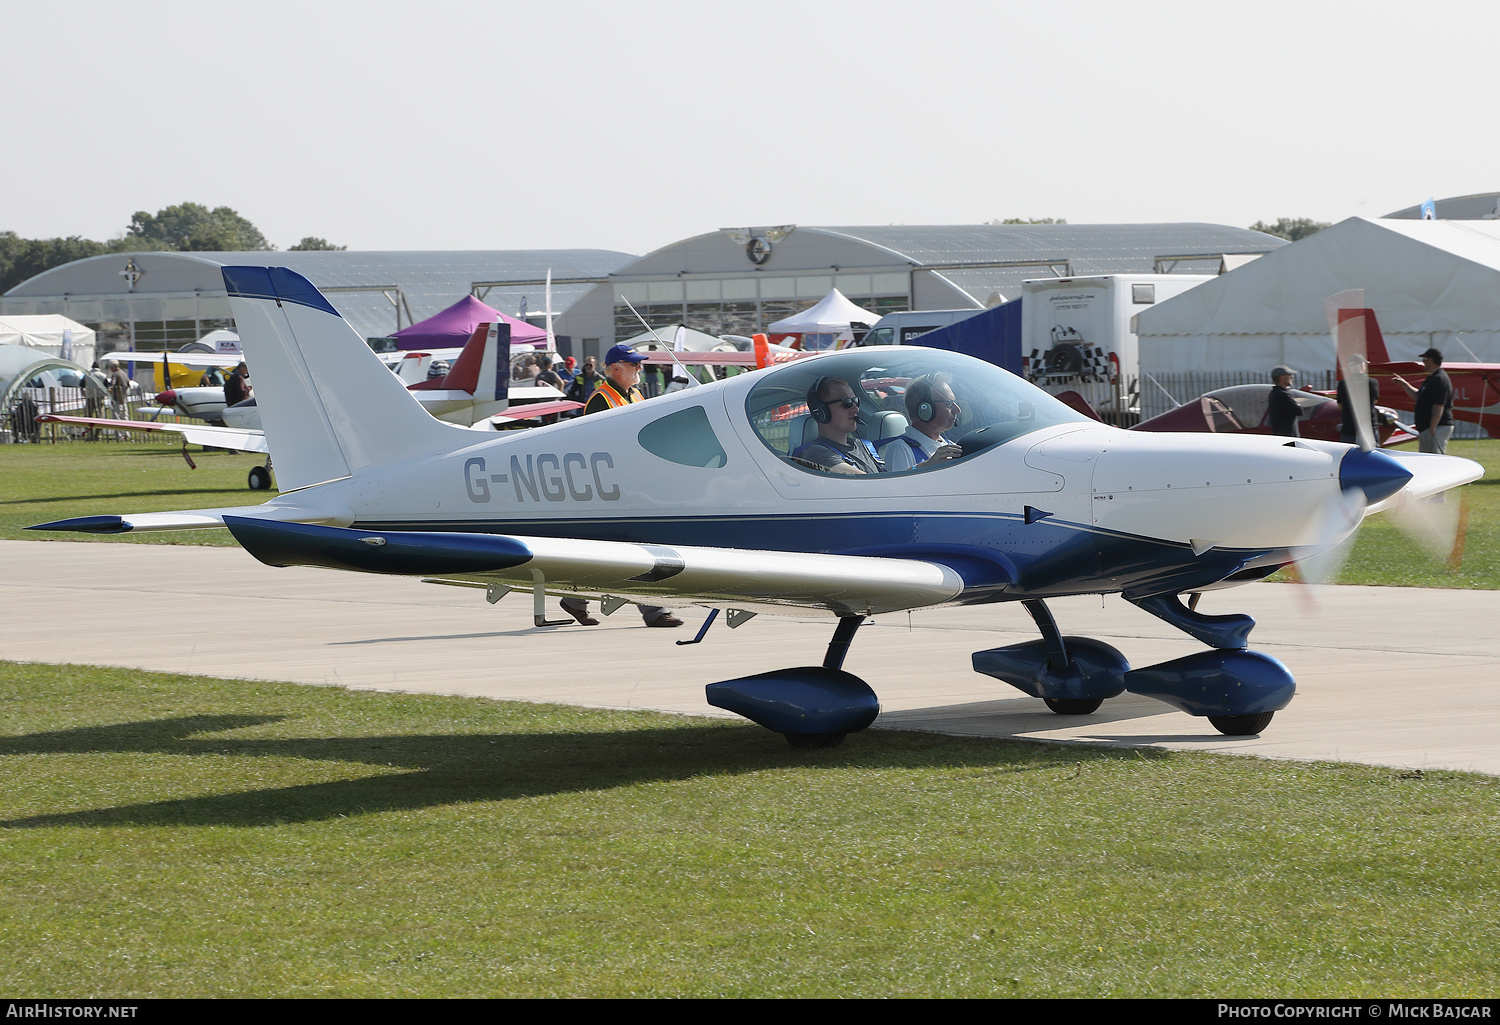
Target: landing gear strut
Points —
{"points": [[1236, 689]]}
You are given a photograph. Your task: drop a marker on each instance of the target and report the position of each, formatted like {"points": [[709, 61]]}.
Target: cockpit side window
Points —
{"points": [[684, 437]]}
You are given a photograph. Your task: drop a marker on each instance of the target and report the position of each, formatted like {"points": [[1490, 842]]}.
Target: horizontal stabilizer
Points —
{"points": [[195, 519], [237, 438]]}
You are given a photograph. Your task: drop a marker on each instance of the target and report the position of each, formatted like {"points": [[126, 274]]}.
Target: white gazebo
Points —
{"points": [[826, 325]]}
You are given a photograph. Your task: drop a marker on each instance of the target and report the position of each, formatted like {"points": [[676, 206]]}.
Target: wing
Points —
{"points": [[194, 360], [534, 409], [672, 575], [196, 434]]}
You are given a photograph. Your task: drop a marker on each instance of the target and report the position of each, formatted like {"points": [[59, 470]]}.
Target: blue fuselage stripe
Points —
{"points": [[997, 554]]}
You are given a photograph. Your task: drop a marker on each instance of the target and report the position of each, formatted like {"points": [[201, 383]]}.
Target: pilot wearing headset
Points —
{"points": [[832, 405], [932, 410]]}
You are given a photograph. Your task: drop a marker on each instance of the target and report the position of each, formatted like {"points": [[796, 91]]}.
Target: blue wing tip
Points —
{"points": [[87, 525]]}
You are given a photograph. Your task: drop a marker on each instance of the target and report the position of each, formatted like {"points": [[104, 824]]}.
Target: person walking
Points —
{"points": [[619, 387]]}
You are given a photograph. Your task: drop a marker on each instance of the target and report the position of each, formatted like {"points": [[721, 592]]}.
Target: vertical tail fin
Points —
{"points": [[329, 407], [483, 368]]}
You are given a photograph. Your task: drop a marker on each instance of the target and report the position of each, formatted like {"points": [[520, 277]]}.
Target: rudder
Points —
{"points": [[328, 405]]}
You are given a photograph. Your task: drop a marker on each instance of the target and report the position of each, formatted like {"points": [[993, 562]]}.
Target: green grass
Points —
{"points": [[47, 482], [170, 836], [44, 482]]}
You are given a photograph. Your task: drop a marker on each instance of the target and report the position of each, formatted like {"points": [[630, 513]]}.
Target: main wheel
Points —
{"points": [[1074, 706], [809, 740], [259, 479], [1241, 725]]}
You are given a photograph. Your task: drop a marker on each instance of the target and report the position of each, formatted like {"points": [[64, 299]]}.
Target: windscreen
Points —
{"points": [[901, 391]]}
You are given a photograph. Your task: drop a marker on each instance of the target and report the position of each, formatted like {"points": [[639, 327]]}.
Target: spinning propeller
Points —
{"points": [[1435, 524]]}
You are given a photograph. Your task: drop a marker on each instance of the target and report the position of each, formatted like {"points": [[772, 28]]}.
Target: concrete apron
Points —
{"points": [[1403, 677]]}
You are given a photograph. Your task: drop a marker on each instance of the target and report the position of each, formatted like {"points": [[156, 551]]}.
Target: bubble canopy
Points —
{"points": [[994, 406]]}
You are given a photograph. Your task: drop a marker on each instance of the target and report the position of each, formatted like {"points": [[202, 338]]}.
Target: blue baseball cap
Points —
{"points": [[623, 354]]}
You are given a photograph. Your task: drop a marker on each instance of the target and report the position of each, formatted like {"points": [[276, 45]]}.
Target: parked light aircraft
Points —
{"points": [[1245, 409], [1476, 386], [472, 394], [206, 402], [693, 498]]}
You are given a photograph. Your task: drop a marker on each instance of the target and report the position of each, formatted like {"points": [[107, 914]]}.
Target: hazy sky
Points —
{"points": [[630, 125]]}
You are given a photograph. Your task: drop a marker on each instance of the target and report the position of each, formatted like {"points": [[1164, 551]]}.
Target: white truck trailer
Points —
{"points": [[1078, 334]]}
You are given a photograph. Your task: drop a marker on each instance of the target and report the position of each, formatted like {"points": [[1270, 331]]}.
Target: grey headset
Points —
{"points": [[820, 410]]}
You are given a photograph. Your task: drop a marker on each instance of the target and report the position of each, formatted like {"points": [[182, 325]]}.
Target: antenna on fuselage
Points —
{"points": [[663, 344]]}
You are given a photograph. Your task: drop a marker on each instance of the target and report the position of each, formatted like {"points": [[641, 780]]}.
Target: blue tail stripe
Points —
{"points": [[276, 283]]}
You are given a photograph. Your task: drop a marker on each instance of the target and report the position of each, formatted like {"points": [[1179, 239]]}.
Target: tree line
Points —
{"points": [[186, 227]]}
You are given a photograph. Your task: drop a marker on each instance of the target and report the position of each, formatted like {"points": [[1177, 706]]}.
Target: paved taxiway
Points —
{"points": [[1402, 677]]}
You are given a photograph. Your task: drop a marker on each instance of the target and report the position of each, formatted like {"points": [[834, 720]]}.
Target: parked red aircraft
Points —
{"points": [[1476, 386], [1243, 409]]}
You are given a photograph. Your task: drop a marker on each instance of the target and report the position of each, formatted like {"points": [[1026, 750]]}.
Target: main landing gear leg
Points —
{"points": [[1057, 660], [1073, 675], [812, 706], [839, 646]]}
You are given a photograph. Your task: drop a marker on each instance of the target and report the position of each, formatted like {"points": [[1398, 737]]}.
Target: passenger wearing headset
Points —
{"points": [[832, 405], [932, 410]]}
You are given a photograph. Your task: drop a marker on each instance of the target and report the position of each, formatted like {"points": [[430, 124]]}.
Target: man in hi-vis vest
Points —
{"points": [[622, 369]]}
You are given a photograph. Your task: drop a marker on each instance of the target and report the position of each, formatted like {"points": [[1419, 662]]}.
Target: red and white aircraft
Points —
{"points": [[474, 393], [1476, 386]]}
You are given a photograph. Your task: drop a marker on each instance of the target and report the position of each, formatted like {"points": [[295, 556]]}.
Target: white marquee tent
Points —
{"points": [[50, 333], [831, 316], [1430, 283]]}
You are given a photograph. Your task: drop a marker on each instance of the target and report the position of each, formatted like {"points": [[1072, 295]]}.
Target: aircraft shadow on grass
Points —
{"points": [[1019, 719], [469, 768]]}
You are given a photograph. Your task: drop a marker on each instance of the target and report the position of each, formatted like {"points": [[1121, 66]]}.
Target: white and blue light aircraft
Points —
{"points": [[694, 498]]}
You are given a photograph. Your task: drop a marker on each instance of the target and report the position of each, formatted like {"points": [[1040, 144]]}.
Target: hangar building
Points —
{"points": [[1430, 283], [735, 281], [162, 300]]}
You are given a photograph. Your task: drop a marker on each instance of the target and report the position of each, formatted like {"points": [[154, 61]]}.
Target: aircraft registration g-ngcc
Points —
{"points": [[695, 498]]}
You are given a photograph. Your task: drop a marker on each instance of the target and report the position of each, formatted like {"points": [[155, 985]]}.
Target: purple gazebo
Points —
{"points": [[451, 328]]}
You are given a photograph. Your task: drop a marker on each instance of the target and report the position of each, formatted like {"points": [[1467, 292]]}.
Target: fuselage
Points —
{"points": [[1058, 504]]}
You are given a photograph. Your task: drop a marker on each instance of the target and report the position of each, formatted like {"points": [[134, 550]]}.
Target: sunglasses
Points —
{"points": [[848, 402]]}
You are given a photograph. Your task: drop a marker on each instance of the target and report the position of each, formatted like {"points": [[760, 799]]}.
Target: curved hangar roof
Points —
{"points": [[375, 291], [977, 259], [739, 279]]}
